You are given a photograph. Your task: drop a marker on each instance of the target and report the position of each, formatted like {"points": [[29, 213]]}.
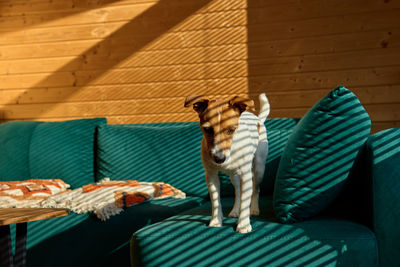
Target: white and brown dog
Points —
{"points": [[234, 142]]}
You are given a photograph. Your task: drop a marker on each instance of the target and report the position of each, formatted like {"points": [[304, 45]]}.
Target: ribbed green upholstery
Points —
{"points": [[15, 139], [83, 240], [64, 150], [383, 167], [319, 155], [158, 152], [186, 240]]}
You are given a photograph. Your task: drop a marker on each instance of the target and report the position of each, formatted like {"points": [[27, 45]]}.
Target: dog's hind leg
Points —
{"points": [[258, 174], [246, 188], [236, 184]]}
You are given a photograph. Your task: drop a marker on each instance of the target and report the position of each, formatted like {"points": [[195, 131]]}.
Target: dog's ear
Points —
{"points": [[242, 104], [199, 103]]}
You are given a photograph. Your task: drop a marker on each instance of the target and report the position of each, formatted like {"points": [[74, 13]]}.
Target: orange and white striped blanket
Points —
{"points": [[107, 197], [29, 193]]}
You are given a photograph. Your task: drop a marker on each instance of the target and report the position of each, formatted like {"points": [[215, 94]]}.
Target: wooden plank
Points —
{"points": [[123, 76], [276, 82], [325, 44], [71, 16], [102, 108], [384, 112], [260, 14], [35, 7], [43, 7], [325, 26], [226, 69], [293, 47], [276, 65], [259, 32], [74, 13], [44, 50], [228, 86], [351, 78], [21, 215], [378, 112], [123, 44], [126, 14], [380, 126], [139, 59], [139, 28], [60, 12], [380, 57], [307, 98], [37, 80]]}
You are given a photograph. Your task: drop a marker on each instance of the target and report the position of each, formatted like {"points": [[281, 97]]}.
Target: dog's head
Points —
{"points": [[219, 120]]}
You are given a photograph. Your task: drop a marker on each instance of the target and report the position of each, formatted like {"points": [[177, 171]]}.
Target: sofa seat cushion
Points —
{"points": [[84, 240], [186, 240]]}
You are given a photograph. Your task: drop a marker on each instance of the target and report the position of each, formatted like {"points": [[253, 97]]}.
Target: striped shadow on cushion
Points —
{"points": [[164, 152], [64, 150], [319, 155]]}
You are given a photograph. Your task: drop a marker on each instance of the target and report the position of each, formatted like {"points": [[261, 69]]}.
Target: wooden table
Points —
{"points": [[20, 217]]}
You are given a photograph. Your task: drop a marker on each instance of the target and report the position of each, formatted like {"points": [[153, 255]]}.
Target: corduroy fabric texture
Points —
{"points": [[160, 152], [64, 150], [383, 152], [186, 240], [83, 240], [15, 139], [319, 155]]}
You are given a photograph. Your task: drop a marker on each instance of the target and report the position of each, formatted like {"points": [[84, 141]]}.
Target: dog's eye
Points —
{"points": [[208, 130], [231, 130]]}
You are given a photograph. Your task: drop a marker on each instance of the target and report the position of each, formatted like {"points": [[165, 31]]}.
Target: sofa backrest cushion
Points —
{"points": [[64, 150], [165, 152], [319, 155], [15, 138]]}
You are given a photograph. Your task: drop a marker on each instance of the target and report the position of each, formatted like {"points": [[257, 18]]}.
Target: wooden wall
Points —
{"points": [[134, 61], [300, 50]]}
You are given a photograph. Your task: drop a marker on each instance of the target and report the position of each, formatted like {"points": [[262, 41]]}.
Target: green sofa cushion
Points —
{"points": [[168, 152], [383, 152], [186, 240], [15, 138], [64, 150], [319, 155], [83, 240]]}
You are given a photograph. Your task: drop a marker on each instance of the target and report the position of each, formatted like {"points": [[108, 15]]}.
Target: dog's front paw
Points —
{"points": [[243, 229], [215, 223]]}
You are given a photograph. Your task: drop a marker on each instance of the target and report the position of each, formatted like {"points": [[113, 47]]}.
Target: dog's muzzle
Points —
{"points": [[219, 159]]}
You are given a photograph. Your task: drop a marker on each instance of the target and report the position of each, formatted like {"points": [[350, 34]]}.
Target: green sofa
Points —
{"points": [[358, 229]]}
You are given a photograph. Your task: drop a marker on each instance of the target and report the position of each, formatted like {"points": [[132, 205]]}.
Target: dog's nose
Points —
{"points": [[219, 159]]}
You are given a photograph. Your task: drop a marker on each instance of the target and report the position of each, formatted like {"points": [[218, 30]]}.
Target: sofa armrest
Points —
{"points": [[383, 156]]}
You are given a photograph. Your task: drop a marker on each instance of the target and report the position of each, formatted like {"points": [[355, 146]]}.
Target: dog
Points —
{"points": [[234, 142]]}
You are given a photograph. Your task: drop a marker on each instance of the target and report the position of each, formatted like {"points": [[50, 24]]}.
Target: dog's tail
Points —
{"points": [[264, 107]]}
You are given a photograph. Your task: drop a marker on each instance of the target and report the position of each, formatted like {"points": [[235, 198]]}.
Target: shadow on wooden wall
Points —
{"points": [[299, 51], [95, 61]]}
